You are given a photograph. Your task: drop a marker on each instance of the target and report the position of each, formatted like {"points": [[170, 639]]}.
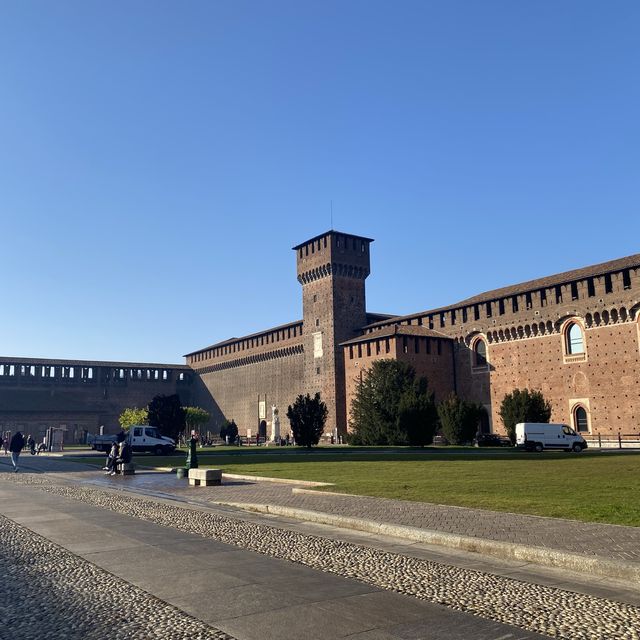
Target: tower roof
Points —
{"points": [[331, 232]]}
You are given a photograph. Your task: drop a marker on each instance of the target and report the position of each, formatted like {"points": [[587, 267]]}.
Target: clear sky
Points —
{"points": [[158, 160]]}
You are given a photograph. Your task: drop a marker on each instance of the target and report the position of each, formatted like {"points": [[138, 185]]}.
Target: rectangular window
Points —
{"points": [[405, 347], [528, 300], [543, 297], [591, 289], [181, 376], [514, 304], [464, 315], [430, 322], [574, 291], [386, 345], [368, 349], [442, 320], [501, 307], [453, 316], [488, 309], [377, 347], [165, 375], [350, 352], [476, 312], [558, 289], [626, 279], [420, 321], [359, 351]]}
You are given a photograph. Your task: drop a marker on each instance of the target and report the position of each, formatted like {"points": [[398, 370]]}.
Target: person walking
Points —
{"points": [[16, 446]]}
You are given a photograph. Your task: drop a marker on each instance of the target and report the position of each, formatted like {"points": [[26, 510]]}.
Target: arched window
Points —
{"points": [[575, 339], [581, 420], [480, 354]]}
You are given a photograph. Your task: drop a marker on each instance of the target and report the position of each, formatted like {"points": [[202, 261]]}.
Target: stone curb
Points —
{"points": [[236, 476], [506, 550]]}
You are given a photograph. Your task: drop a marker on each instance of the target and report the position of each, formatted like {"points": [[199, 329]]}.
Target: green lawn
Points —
{"points": [[592, 486]]}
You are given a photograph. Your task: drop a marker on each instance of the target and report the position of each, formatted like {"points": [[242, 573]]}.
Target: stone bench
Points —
{"points": [[205, 477], [126, 468]]}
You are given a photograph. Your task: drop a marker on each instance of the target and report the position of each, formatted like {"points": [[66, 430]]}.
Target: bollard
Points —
{"points": [[619, 441], [599, 441]]}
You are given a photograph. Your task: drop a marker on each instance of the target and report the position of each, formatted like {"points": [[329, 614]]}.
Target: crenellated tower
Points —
{"points": [[331, 268]]}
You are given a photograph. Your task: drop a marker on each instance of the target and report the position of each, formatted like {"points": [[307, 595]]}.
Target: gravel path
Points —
{"points": [[536, 608], [48, 593]]}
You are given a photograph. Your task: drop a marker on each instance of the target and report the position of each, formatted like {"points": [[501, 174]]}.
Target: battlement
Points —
{"points": [[333, 254]]}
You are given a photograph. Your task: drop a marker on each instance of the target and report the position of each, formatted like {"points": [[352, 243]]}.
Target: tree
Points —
{"points": [[229, 429], [166, 413], [392, 406], [459, 418], [307, 417], [523, 405], [194, 417], [133, 415]]}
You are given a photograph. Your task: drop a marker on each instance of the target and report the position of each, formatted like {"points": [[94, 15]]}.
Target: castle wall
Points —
{"points": [[81, 396], [431, 357], [238, 386]]}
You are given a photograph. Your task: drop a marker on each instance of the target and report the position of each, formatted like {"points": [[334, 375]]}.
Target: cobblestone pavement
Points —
{"points": [[535, 608], [48, 593], [611, 542]]}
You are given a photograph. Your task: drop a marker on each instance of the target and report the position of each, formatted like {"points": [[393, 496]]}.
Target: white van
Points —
{"points": [[537, 436]]}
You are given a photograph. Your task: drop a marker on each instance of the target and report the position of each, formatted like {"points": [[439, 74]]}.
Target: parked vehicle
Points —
{"points": [[492, 440], [140, 437], [537, 436]]}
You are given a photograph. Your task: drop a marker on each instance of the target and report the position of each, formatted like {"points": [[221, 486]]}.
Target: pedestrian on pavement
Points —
{"points": [[124, 456], [31, 443], [111, 459], [16, 446]]}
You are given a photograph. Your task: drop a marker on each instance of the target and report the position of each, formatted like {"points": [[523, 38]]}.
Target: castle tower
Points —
{"points": [[331, 268]]}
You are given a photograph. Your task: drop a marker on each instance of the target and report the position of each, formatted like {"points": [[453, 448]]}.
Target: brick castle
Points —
{"points": [[575, 336]]}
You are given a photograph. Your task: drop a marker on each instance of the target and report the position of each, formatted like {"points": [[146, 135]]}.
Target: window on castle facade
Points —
{"points": [[591, 290], [558, 294], [626, 279], [405, 346], [543, 297], [528, 300], [480, 353], [581, 420], [501, 307], [488, 309], [575, 339], [608, 284], [514, 304], [574, 291]]}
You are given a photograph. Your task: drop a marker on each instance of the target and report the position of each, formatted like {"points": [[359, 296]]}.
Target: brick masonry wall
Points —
{"points": [[32, 404], [234, 392], [436, 366], [605, 383]]}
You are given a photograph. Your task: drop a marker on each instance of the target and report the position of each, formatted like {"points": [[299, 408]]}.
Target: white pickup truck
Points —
{"points": [[140, 437]]}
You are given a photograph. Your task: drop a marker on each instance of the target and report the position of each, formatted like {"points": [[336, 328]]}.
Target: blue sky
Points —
{"points": [[158, 160]]}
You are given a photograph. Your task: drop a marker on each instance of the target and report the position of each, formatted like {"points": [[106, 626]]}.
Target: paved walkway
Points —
{"points": [[607, 543], [113, 565]]}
